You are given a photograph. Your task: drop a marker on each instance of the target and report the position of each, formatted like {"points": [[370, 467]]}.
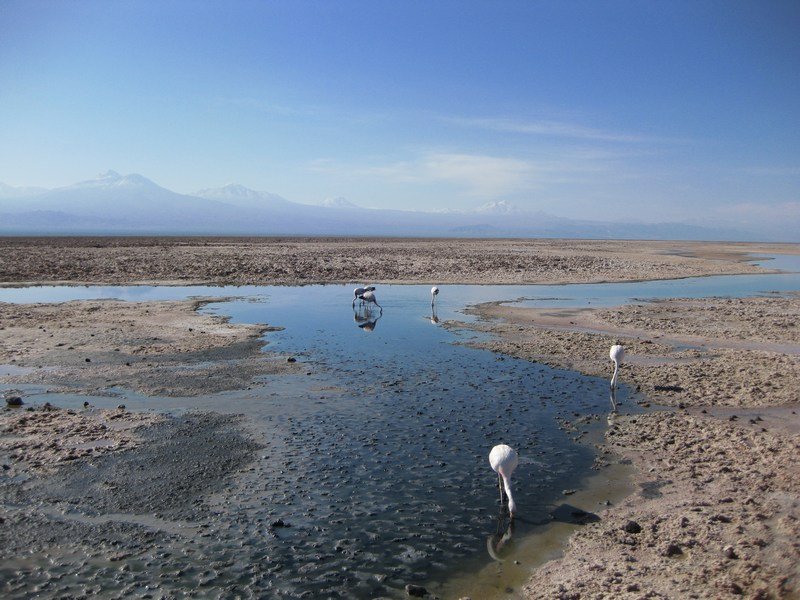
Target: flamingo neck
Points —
{"points": [[512, 507]]}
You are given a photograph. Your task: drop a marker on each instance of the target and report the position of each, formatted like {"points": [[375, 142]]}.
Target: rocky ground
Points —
{"points": [[718, 511], [293, 261]]}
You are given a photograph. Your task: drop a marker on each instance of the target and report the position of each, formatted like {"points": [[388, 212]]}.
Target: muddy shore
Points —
{"points": [[717, 513], [153, 348], [717, 505]]}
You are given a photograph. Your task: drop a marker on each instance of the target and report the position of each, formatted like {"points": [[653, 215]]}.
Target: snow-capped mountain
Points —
{"points": [[501, 207], [238, 195], [338, 202], [132, 204]]}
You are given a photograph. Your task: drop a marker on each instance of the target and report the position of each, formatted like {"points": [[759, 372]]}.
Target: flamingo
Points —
{"points": [[369, 296], [617, 353], [434, 293], [504, 460], [359, 291]]}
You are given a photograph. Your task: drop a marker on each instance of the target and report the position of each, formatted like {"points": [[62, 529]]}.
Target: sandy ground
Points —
{"points": [[294, 261], [155, 348], [717, 510]]}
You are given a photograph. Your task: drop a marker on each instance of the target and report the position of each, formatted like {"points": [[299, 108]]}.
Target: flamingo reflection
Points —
{"points": [[365, 317], [434, 316], [505, 531]]}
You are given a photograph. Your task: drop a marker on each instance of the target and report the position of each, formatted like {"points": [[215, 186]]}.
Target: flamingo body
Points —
{"points": [[369, 297], [504, 460], [616, 354], [361, 290]]}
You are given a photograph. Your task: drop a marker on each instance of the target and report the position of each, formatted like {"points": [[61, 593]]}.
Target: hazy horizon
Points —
{"points": [[680, 112]]}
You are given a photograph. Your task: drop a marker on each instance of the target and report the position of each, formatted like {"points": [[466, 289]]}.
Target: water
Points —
{"points": [[379, 460]]}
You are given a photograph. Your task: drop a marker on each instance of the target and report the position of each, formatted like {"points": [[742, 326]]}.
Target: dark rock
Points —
{"points": [[415, 590], [668, 388], [279, 523], [632, 527], [730, 553], [291, 359], [14, 401], [672, 550]]}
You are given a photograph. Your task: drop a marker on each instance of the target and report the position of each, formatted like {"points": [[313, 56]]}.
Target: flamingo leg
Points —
{"points": [[500, 487]]}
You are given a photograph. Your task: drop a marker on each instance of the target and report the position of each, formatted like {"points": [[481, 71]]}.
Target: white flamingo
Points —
{"points": [[617, 354], [504, 460], [434, 293], [369, 297], [361, 290]]}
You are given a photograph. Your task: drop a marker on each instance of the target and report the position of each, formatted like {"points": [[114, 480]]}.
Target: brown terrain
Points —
{"points": [[718, 501], [294, 261]]}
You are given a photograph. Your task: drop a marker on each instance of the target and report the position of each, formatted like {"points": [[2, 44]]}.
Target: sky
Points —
{"points": [[619, 110]]}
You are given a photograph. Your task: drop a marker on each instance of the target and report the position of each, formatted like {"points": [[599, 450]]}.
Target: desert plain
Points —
{"points": [[715, 461]]}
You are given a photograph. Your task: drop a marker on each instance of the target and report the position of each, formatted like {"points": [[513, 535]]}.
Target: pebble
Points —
{"points": [[632, 527], [730, 552], [415, 590]]}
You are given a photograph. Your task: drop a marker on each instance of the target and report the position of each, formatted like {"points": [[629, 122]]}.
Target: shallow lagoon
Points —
{"points": [[378, 460]]}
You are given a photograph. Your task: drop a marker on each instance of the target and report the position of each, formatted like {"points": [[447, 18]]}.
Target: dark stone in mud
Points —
{"points": [[415, 590], [672, 550], [291, 359], [14, 401], [632, 527], [279, 523], [668, 388], [730, 552]]}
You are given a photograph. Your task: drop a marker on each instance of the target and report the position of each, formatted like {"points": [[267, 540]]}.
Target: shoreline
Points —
{"points": [[710, 507]]}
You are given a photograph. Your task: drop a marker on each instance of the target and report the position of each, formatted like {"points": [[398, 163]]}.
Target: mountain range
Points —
{"points": [[132, 204]]}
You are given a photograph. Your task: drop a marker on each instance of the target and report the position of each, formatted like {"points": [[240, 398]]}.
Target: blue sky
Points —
{"points": [[606, 110]]}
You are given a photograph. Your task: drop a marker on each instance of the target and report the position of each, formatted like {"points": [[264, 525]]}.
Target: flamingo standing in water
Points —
{"points": [[504, 460], [434, 293], [617, 353], [359, 291], [369, 296]]}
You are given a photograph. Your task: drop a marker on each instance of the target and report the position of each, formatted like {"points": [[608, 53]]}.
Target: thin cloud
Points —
{"points": [[547, 128], [478, 175], [773, 171]]}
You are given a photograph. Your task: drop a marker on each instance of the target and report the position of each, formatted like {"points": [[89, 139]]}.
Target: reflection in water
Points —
{"points": [[365, 317], [434, 316], [505, 531]]}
